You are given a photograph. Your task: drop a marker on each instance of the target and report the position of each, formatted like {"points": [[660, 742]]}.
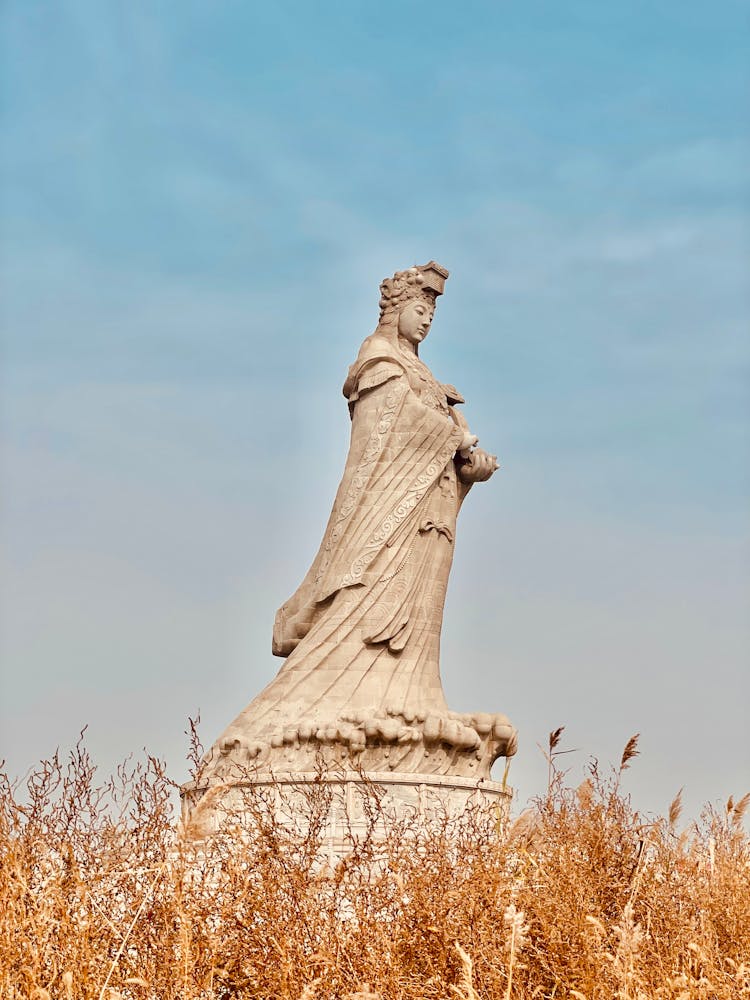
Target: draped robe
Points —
{"points": [[361, 635]]}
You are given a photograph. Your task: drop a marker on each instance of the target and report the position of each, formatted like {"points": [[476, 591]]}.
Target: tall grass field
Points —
{"points": [[105, 895]]}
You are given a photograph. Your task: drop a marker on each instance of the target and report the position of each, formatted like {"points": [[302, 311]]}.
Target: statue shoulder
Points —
{"points": [[378, 361], [378, 348]]}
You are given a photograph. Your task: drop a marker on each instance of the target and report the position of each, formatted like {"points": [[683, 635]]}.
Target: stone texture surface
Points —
{"points": [[361, 635], [353, 801]]}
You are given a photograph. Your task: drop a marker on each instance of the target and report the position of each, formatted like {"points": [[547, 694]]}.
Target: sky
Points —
{"points": [[197, 204]]}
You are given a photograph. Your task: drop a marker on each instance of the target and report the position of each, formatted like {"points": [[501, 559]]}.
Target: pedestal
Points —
{"points": [[353, 803]]}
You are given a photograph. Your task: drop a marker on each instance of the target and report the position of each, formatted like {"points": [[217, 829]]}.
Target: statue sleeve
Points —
{"points": [[399, 448]]}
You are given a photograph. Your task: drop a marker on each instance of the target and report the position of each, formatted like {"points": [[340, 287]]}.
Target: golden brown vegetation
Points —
{"points": [[102, 896]]}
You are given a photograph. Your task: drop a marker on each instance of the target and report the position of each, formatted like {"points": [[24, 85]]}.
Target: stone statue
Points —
{"points": [[361, 635]]}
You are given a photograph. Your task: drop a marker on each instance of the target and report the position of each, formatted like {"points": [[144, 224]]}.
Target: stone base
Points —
{"points": [[353, 804]]}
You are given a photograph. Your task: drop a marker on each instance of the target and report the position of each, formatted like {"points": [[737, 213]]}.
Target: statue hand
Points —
{"points": [[478, 467], [468, 442]]}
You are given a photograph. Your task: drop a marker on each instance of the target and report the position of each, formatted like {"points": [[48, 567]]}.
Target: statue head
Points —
{"points": [[414, 320], [407, 300]]}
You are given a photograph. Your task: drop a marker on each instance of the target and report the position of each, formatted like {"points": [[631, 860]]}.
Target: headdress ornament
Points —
{"points": [[425, 281]]}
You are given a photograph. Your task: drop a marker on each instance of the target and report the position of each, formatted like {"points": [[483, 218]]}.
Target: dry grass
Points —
{"points": [[101, 896]]}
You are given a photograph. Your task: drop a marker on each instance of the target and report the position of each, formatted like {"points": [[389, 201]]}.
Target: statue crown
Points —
{"points": [[425, 281]]}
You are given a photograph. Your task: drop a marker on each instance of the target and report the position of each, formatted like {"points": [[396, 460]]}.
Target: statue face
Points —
{"points": [[414, 321]]}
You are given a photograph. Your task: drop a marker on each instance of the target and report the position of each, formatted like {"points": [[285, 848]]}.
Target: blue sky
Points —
{"points": [[198, 203]]}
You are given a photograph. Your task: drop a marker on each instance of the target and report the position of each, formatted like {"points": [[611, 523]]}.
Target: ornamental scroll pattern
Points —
{"points": [[389, 524], [361, 477]]}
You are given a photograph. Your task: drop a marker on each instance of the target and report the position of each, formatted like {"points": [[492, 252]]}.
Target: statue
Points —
{"points": [[361, 635]]}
